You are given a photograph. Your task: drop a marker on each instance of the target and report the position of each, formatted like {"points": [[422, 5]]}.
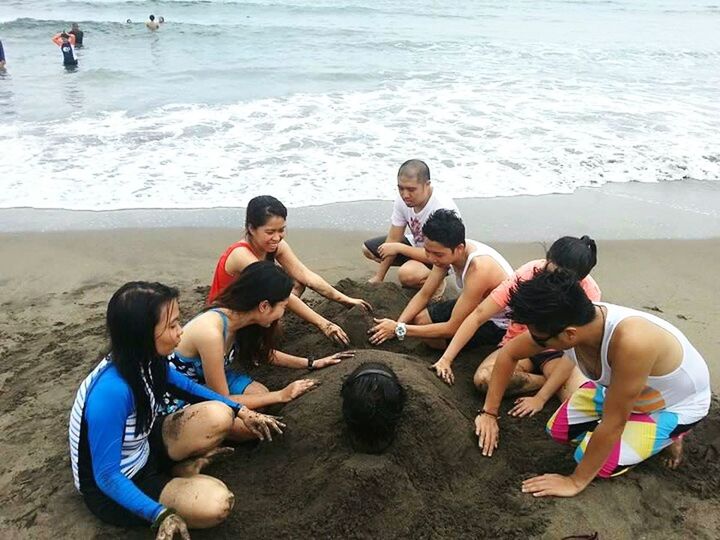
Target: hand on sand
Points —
{"points": [[360, 302], [488, 432], [335, 333], [173, 526], [192, 466], [261, 425], [383, 330], [553, 485], [333, 359], [443, 369], [297, 388], [389, 249], [527, 406]]}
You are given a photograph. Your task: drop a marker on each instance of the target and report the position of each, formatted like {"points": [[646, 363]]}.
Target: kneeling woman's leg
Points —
{"points": [[202, 501], [196, 429]]}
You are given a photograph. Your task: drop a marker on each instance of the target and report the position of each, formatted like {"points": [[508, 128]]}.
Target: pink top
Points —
{"points": [[501, 294]]}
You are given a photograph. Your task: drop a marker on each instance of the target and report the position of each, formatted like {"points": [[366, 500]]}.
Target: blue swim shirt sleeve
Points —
{"points": [[106, 412], [187, 389]]}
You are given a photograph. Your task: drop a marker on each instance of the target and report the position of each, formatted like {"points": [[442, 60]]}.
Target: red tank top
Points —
{"points": [[221, 278]]}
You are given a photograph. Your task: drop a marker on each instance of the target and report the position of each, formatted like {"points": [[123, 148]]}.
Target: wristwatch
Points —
{"points": [[311, 362], [400, 331]]}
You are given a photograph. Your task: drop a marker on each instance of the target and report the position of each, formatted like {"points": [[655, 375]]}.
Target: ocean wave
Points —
{"points": [[322, 148]]}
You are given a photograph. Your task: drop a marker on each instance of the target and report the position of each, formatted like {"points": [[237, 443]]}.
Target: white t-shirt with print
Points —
{"points": [[403, 215]]}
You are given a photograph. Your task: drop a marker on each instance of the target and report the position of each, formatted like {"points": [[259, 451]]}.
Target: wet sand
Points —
{"points": [[432, 483]]}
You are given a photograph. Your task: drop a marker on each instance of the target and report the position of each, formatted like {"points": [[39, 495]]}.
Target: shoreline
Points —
{"points": [[668, 210]]}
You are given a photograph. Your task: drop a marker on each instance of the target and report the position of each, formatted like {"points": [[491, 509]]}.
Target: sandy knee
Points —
{"points": [[256, 388], [210, 502], [216, 417], [481, 380]]}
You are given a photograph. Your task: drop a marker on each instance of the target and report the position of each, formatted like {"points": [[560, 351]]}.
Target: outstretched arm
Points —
{"points": [[298, 271]]}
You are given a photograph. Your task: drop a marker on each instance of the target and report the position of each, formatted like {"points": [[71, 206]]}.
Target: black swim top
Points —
{"points": [[68, 54], [78, 36]]}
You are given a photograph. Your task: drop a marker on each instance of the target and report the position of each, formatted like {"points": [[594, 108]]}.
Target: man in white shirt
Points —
{"points": [[416, 201]]}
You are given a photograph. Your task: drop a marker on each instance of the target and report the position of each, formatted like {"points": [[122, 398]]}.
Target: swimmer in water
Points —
{"points": [[75, 31], [2, 56], [152, 24], [65, 42]]}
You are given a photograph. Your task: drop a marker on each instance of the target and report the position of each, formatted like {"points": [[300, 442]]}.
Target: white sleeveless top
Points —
{"points": [[685, 391], [500, 319]]}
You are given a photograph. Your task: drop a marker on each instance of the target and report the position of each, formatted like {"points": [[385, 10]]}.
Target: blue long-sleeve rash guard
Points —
{"points": [[108, 405]]}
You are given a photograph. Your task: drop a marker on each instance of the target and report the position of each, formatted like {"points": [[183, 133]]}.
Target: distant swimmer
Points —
{"points": [[65, 42], [75, 31], [161, 20], [128, 21], [152, 24], [2, 56]]}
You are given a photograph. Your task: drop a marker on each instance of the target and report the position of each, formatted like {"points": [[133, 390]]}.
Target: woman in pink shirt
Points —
{"points": [[547, 372]]}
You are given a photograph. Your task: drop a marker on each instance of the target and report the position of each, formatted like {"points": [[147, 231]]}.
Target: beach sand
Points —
{"points": [[432, 483]]}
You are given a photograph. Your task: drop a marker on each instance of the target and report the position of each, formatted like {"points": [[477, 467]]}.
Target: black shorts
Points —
{"points": [[488, 334], [374, 243], [540, 359], [151, 480]]}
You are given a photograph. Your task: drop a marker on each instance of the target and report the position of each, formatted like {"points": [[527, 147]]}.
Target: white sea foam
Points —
{"points": [[480, 141]]}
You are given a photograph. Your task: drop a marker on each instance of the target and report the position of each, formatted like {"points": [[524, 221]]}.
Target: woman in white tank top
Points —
{"points": [[648, 385]]}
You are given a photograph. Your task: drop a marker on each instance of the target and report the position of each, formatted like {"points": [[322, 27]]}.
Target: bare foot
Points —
{"points": [[673, 454], [194, 465], [439, 292], [374, 279]]}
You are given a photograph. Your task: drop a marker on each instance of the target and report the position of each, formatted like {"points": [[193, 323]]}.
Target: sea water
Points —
{"points": [[320, 101]]}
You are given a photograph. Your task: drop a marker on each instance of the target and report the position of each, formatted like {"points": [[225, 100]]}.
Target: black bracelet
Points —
{"points": [[311, 361], [162, 516], [483, 411]]}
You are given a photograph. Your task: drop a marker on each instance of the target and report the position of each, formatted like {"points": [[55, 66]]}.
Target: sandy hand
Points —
{"points": [[297, 388], [333, 359], [443, 369], [527, 406], [261, 425], [488, 433], [171, 527], [364, 304], [337, 334], [383, 330]]}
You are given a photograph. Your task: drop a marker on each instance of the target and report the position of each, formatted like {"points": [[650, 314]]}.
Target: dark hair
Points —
{"points": [[259, 210], [152, 17], [444, 226], [132, 315], [259, 281], [415, 168], [551, 301], [576, 254], [373, 401], [64, 35]]}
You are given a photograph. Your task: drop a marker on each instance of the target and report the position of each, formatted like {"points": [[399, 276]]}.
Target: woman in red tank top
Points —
{"points": [[264, 240]]}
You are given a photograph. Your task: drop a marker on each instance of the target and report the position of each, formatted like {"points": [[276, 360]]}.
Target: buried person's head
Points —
{"points": [[373, 402]]}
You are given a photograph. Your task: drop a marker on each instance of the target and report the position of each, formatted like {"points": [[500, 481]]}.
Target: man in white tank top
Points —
{"points": [[648, 385], [478, 269], [417, 200]]}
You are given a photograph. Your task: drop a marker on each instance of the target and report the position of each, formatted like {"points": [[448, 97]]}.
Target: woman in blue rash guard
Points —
{"points": [[132, 465]]}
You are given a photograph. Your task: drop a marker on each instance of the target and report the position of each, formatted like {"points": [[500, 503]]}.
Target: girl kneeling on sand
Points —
{"points": [[545, 373], [132, 465], [265, 241], [243, 321]]}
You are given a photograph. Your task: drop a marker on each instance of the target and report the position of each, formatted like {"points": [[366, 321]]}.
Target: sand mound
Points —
{"points": [[431, 483]]}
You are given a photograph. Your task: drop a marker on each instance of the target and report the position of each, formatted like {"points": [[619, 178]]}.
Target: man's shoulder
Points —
{"points": [[442, 200]]}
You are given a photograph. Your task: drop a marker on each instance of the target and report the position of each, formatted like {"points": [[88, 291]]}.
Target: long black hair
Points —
{"points": [[259, 210], [132, 315], [576, 254], [373, 401], [259, 281]]}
